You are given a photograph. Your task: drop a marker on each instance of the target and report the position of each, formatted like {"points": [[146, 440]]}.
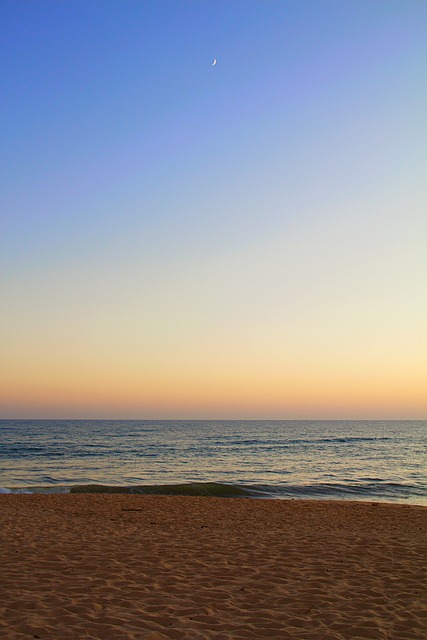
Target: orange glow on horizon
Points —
{"points": [[258, 393]]}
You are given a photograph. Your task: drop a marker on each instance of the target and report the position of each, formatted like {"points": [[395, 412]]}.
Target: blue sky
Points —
{"points": [[282, 188]]}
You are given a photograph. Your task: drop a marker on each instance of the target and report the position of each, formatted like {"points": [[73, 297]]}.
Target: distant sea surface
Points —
{"points": [[356, 460]]}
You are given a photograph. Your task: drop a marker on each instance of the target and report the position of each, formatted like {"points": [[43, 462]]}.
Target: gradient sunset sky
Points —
{"points": [[244, 240]]}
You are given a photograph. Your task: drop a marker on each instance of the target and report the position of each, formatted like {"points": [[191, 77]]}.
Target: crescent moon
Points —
{"points": [[214, 62]]}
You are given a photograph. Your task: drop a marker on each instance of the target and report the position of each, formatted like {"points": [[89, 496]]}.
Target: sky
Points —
{"points": [[186, 240]]}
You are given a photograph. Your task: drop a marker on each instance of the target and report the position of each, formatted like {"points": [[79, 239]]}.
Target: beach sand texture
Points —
{"points": [[119, 567]]}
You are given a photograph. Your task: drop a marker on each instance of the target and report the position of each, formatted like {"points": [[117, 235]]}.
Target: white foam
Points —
{"points": [[6, 490]]}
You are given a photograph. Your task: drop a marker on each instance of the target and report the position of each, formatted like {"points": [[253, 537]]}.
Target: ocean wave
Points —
{"points": [[213, 489], [388, 491]]}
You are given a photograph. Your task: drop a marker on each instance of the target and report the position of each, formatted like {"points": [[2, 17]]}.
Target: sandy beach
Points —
{"points": [[119, 567]]}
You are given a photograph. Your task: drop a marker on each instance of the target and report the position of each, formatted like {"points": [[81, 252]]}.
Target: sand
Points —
{"points": [[119, 567]]}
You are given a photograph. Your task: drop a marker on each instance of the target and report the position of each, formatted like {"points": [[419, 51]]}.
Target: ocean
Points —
{"points": [[315, 459]]}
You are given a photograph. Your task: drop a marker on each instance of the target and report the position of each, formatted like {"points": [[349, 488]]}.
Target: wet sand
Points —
{"points": [[120, 567]]}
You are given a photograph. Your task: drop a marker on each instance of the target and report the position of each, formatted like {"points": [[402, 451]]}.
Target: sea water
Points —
{"points": [[359, 460]]}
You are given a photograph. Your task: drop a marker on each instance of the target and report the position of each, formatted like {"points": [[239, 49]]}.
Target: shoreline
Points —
{"points": [[125, 566], [335, 493]]}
